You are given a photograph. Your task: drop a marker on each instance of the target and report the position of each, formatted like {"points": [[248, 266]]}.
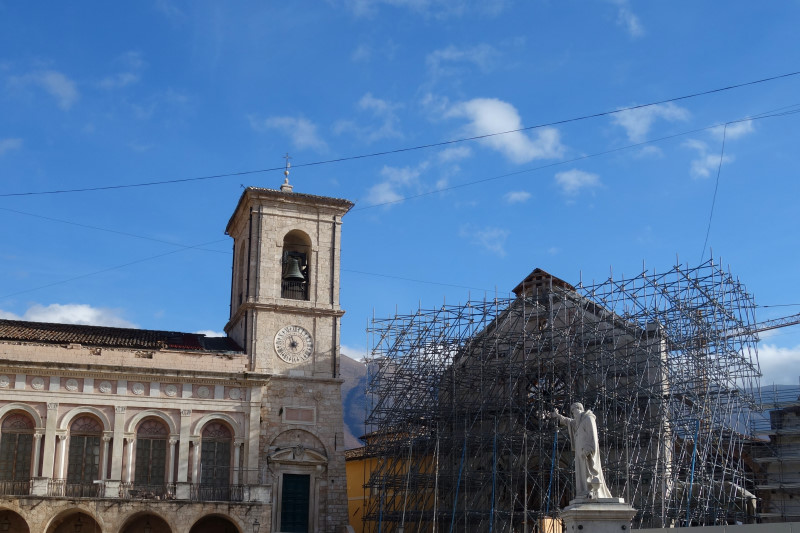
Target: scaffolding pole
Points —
{"points": [[666, 361]]}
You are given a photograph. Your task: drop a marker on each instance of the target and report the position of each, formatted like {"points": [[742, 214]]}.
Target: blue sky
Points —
{"points": [[105, 94]]}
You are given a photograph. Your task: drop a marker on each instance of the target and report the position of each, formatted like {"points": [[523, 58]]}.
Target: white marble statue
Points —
{"points": [[582, 428]]}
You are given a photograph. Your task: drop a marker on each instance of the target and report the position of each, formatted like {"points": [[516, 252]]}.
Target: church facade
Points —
{"points": [[123, 430]]}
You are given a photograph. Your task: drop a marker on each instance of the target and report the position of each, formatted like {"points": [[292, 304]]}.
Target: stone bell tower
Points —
{"points": [[285, 314]]}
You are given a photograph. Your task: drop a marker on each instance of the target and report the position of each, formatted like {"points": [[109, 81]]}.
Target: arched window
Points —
{"points": [[16, 447], [215, 460], [295, 271], [84, 456], [151, 454]]}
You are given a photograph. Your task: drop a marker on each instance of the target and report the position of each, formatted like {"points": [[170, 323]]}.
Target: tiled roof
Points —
{"points": [[355, 453], [314, 197], [144, 339]]}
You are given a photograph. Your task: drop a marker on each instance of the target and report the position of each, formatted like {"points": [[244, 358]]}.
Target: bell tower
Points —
{"points": [[285, 313], [285, 287]]}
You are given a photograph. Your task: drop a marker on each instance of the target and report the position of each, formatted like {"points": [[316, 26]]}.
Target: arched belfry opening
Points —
{"points": [[295, 266]]}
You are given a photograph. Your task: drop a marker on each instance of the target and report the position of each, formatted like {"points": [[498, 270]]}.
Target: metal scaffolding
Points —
{"points": [[459, 431], [775, 452]]}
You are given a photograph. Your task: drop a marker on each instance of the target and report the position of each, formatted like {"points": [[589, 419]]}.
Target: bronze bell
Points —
{"points": [[293, 272]]}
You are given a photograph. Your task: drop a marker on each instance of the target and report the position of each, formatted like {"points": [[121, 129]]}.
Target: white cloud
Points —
{"points": [[383, 193], [435, 104], [367, 52], [140, 147], [779, 365], [361, 54], [59, 86], [490, 116], [131, 64], [637, 122], [482, 56], [120, 79], [572, 181], [169, 9], [491, 238], [211, 333], [455, 153], [517, 197], [734, 131], [382, 112], [301, 131], [429, 8], [650, 151], [359, 354], [703, 166], [628, 20], [396, 182], [72, 314], [706, 163], [6, 145]]}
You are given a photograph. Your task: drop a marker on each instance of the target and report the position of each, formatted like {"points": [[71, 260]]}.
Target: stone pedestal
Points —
{"points": [[111, 489], [598, 515], [39, 486], [261, 493], [183, 491]]}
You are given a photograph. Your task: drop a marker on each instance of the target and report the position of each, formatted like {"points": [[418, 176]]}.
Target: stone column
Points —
{"points": [[129, 476], [62, 456], [183, 446], [182, 487], [50, 440], [253, 435], [171, 472], [104, 457], [196, 461], [237, 446], [118, 442], [37, 442]]}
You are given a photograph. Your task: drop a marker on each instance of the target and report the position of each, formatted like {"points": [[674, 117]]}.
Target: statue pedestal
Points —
{"points": [[598, 515]]}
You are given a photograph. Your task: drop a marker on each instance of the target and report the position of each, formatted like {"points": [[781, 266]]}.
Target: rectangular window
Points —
{"points": [[15, 456], [294, 503], [215, 463], [84, 459], [151, 461]]}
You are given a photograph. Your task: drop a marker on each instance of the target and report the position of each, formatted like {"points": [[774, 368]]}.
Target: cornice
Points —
{"points": [[286, 309], [116, 372]]}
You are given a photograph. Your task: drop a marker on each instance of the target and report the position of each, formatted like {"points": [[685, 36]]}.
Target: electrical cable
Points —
{"points": [[411, 148], [767, 114], [116, 267], [87, 226], [580, 158], [716, 187]]}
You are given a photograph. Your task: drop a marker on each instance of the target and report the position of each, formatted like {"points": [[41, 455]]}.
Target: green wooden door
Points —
{"points": [[294, 503]]}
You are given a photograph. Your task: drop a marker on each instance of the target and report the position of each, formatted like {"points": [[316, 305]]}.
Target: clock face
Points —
{"points": [[294, 344]]}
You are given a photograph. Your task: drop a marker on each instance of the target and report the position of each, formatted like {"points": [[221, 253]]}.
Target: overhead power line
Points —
{"points": [[117, 232], [406, 149], [782, 111], [109, 269], [580, 158]]}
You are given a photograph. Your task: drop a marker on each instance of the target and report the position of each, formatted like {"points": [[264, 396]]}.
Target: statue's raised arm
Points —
{"points": [[582, 429]]}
